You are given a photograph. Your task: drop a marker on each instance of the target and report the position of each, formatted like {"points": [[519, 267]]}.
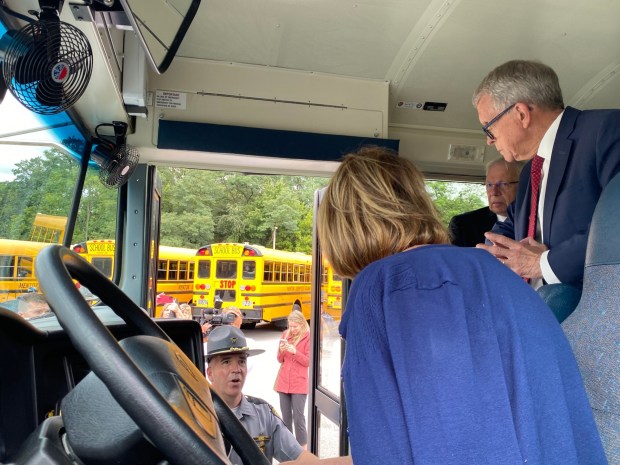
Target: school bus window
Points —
{"points": [[296, 273], [173, 271], [268, 272], [24, 267], [289, 272], [104, 265], [6, 266], [226, 269], [249, 269], [191, 271], [162, 270], [183, 270], [204, 269]]}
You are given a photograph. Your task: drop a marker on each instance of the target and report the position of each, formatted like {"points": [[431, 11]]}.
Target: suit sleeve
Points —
{"points": [[567, 259], [505, 228], [454, 229]]}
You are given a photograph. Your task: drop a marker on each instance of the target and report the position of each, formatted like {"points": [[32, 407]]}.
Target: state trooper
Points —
{"points": [[227, 354]]}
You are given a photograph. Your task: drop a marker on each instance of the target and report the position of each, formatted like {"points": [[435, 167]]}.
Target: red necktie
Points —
{"points": [[535, 175]]}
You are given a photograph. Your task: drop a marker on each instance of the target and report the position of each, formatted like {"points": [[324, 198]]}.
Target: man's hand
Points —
{"points": [[522, 257]]}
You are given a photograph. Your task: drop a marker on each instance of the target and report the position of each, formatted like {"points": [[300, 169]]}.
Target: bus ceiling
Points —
{"points": [[376, 70]]}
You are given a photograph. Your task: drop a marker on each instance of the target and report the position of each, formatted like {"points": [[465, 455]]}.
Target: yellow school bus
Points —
{"points": [[175, 268], [331, 291], [48, 228], [265, 284], [17, 267]]}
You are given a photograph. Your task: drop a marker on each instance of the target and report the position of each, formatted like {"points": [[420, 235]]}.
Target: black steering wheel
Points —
{"points": [[184, 422]]}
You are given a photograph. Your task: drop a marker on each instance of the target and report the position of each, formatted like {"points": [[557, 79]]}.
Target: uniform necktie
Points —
{"points": [[535, 175]]}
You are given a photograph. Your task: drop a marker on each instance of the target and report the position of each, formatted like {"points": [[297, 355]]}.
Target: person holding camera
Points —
{"points": [[230, 316], [292, 379], [227, 356]]}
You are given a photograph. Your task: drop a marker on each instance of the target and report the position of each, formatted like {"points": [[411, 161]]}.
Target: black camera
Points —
{"points": [[214, 316]]}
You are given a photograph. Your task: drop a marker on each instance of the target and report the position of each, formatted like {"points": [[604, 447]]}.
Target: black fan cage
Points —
{"points": [[119, 167], [47, 66]]}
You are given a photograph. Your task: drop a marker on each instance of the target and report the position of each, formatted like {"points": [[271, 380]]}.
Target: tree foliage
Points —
{"points": [[453, 198], [198, 206]]}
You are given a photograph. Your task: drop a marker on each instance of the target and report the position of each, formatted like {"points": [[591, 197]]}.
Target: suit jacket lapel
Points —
{"points": [[559, 160]]}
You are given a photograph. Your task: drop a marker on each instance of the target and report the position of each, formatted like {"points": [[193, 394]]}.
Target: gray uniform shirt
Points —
{"points": [[267, 429]]}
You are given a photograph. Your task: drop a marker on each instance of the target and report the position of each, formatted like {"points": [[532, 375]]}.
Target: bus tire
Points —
{"points": [[251, 325]]}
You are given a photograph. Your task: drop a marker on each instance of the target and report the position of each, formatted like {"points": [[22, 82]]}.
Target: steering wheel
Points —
{"points": [[184, 424]]}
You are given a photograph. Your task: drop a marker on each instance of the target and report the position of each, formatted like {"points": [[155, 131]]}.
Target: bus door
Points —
{"points": [[225, 282], [327, 424]]}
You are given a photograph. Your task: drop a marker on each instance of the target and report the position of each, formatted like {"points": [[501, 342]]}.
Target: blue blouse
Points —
{"points": [[451, 358]]}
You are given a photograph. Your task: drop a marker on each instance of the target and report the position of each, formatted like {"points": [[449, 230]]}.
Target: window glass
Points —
{"points": [[204, 269], [183, 271], [226, 269], [103, 264], [268, 273], [173, 270], [161, 270], [249, 269]]}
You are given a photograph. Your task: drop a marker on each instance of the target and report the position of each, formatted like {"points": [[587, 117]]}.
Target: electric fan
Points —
{"points": [[116, 160], [47, 64]]}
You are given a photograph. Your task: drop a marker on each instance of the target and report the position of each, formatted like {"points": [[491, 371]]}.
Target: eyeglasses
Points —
{"points": [[486, 127], [502, 186]]}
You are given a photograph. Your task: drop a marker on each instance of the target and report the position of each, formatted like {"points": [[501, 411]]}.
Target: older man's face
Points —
{"points": [[503, 190], [510, 136]]}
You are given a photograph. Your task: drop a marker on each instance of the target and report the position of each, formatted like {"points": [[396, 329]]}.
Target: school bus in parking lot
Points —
{"points": [[265, 284], [17, 268], [175, 268], [331, 291]]}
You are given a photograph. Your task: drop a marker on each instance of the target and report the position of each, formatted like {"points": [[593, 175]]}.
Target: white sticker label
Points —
{"points": [[170, 99], [409, 105]]}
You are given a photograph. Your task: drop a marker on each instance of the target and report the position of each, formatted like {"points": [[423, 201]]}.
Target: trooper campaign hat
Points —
{"points": [[227, 339]]}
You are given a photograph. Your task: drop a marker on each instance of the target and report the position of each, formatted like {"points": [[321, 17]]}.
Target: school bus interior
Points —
{"points": [[271, 87]]}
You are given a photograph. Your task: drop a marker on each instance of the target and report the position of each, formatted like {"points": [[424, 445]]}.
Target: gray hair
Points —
{"points": [[512, 168], [521, 81]]}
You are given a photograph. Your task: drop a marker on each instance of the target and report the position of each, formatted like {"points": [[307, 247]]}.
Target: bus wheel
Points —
{"points": [[251, 325]]}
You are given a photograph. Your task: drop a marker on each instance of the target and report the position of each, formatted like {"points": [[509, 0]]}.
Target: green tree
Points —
{"points": [[453, 198]]}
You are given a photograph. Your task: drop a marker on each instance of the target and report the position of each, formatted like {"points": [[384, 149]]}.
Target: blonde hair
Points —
{"points": [[297, 317], [375, 205]]}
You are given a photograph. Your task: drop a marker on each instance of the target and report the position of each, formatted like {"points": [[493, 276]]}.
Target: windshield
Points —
{"points": [[39, 168]]}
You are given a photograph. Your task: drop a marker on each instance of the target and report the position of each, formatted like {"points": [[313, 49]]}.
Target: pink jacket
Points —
{"points": [[293, 375]]}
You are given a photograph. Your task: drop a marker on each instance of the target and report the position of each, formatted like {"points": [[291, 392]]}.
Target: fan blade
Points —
{"points": [[49, 92], [30, 65]]}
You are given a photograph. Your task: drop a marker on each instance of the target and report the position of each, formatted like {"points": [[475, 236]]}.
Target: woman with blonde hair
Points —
{"points": [[450, 357], [292, 379]]}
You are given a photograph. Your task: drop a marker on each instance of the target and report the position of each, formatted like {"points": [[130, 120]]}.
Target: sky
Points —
{"points": [[14, 117]]}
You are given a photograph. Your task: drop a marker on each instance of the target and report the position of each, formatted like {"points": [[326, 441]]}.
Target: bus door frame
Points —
{"points": [[320, 400]]}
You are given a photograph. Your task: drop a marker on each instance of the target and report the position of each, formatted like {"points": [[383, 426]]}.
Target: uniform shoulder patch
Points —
{"points": [[259, 401], [256, 400]]}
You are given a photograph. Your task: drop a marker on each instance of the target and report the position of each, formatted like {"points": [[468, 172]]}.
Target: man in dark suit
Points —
{"points": [[467, 229], [521, 108]]}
